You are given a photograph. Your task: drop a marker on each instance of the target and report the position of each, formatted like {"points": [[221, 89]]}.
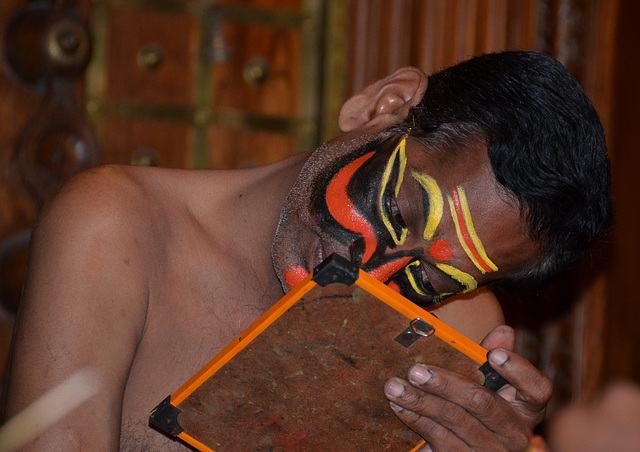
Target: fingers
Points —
{"points": [[438, 437], [453, 413], [501, 336], [532, 387], [456, 401]]}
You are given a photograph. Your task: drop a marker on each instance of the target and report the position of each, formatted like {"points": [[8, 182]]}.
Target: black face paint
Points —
{"points": [[355, 202]]}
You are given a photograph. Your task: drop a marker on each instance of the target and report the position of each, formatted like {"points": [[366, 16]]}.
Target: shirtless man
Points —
{"points": [[144, 274]]}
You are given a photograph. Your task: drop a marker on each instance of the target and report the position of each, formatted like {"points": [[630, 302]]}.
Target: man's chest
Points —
{"points": [[179, 339]]}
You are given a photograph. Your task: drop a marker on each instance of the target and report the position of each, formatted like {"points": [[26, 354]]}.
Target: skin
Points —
{"points": [[144, 274], [386, 241], [610, 422]]}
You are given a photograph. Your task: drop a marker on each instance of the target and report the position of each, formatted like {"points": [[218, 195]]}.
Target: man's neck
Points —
{"points": [[252, 208]]}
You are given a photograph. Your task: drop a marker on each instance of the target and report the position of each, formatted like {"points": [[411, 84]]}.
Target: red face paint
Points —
{"points": [[386, 271], [464, 233], [344, 212], [294, 275], [393, 286], [441, 250]]}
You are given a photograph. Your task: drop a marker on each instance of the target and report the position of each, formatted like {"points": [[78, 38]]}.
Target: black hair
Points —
{"points": [[545, 144]]}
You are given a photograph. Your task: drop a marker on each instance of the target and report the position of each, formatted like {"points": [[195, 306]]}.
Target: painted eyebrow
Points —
{"points": [[399, 155], [432, 205], [467, 235], [464, 279]]}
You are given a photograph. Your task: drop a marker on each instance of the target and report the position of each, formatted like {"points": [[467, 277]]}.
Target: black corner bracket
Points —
{"points": [[335, 269], [492, 379], [165, 417]]}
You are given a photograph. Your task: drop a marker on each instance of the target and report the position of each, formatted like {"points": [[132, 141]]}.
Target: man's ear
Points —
{"points": [[386, 101]]}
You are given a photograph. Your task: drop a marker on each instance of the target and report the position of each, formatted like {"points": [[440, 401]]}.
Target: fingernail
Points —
{"points": [[498, 357], [394, 389], [419, 375], [395, 407]]}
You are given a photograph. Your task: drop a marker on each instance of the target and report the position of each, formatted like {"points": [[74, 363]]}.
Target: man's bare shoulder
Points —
{"points": [[106, 255], [113, 202], [108, 192], [86, 286]]}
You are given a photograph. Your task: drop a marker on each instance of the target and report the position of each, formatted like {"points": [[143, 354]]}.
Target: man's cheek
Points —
{"points": [[342, 208]]}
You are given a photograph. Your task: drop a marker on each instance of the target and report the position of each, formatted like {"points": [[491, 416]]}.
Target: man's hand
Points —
{"points": [[454, 414]]}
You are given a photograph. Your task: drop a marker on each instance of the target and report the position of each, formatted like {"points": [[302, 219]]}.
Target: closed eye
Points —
{"points": [[391, 205], [416, 284], [390, 187], [419, 280]]}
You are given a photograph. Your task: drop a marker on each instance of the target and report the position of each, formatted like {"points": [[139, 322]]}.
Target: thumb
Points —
{"points": [[501, 336]]}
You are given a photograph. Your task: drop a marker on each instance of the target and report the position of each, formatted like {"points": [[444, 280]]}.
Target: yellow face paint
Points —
{"points": [[436, 203], [399, 153], [465, 279], [411, 278], [467, 235]]}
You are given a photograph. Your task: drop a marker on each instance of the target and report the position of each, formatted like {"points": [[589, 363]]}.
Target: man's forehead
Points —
{"points": [[490, 215], [469, 165], [498, 220]]}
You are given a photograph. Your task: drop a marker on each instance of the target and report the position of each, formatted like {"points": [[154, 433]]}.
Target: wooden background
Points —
{"points": [[189, 112]]}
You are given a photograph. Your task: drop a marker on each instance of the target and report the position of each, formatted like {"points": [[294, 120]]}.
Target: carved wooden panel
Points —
{"points": [[132, 70], [219, 74], [17, 207], [149, 142], [44, 135]]}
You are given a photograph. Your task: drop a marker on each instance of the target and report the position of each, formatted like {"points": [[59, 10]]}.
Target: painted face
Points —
{"points": [[393, 217]]}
